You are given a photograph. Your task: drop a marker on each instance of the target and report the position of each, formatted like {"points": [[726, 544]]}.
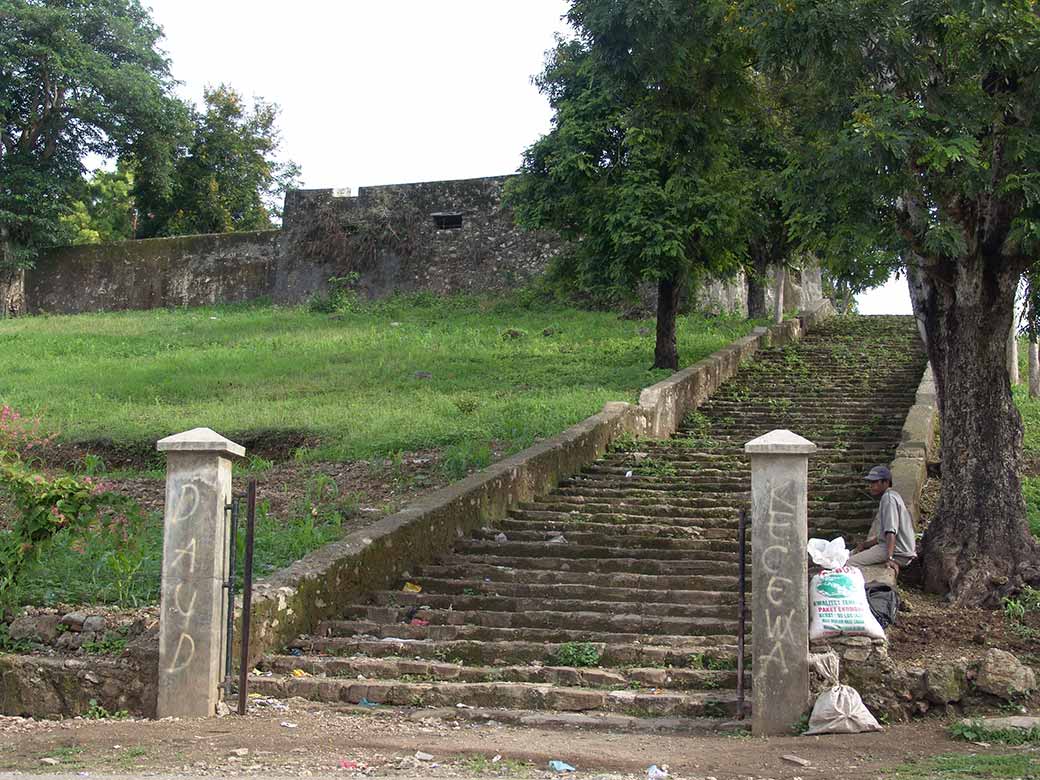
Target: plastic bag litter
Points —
{"points": [[829, 555], [839, 709], [561, 766], [411, 587], [656, 772], [838, 605]]}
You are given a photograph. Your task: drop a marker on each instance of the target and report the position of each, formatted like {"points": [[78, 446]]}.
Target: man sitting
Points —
{"points": [[891, 538]]}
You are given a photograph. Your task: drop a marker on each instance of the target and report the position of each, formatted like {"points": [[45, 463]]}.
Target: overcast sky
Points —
{"points": [[390, 91]]}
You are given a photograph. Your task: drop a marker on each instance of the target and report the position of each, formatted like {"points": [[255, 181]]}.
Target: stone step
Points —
{"points": [[684, 630], [578, 592], [462, 568], [658, 526], [646, 573], [686, 539], [476, 652], [602, 616], [512, 695], [420, 670], [691, 604], [562, 563], [685, 542]]}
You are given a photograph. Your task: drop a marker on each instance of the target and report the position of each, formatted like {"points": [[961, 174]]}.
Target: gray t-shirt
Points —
{"points": [[893, 516]]}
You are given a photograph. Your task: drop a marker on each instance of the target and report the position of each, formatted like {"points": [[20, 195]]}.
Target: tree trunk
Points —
{"points": [[978, 547], [666, 353], [756, 284], [778, 312], [12, 280], [1012, 353], [1034, 369]]}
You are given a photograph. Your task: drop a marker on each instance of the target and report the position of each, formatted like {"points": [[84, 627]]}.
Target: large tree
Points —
{"points": [[640, 170], [230, 176], [920, 119], [76, 78], [104, 209]]}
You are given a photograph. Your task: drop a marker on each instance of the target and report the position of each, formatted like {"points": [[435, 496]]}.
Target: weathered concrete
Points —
{"points": [[780, 616], [193, 612], [917, 446]]}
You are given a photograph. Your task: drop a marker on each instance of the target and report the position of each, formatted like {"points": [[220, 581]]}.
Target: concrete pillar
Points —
{"points": [[192, 617], [779, 584], [778, 300], [1034, 369], [1012, 353]]}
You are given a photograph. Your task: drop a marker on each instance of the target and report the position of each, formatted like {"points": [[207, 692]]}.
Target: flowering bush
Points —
{"points": [[21, 435]]}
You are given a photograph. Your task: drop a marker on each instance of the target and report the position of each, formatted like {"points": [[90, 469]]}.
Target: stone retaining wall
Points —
{"points": [[53, 686], [294, 600], [917, 446]]}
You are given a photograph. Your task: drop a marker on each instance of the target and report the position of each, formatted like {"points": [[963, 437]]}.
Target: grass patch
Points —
{"points": [[955, 766], [97, 570], [402, 374], [1031, 491], [977, 731]]}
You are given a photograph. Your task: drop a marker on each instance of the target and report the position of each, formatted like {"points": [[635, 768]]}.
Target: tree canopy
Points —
{"points": [[229, 176], [76, 78], [920, 137], [639, 169]]}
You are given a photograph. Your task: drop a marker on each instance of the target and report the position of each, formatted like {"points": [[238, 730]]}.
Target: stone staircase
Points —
{"points": [[613, 600]]}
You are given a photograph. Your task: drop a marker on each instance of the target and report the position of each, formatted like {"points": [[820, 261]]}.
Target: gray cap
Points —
{"points": [[878, 473]]}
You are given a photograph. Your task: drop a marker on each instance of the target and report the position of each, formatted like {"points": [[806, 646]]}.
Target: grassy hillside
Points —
{"points": [[406, 374]]}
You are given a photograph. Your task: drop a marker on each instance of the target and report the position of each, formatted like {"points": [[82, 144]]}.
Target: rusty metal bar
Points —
{"points": [[741, 607], [230, 587], [247, 598]]}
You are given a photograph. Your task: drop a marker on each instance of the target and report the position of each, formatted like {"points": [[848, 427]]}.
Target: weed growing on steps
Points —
{"points": [[657, 468], [575, 654], [977, 731], [711, 662]]}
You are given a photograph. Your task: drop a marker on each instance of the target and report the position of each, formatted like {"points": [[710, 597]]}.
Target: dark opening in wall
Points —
{"points": [[447, 220]]}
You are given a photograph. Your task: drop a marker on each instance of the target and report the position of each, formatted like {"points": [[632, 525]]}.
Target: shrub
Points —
{"points": [[44, 506]]}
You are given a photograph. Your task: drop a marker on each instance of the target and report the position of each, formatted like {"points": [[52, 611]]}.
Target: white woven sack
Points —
{"points": [[829, 555], [839, 709], [838, 602]]}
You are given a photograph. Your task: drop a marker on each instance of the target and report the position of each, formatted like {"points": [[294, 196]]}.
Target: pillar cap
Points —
{"points": [[780, 442], [201, 440]]}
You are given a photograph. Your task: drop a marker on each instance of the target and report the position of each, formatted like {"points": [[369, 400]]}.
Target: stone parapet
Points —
{"points": [[917, 445]]}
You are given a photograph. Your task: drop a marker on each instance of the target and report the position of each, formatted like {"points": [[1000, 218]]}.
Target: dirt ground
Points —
{"points": [[928, 628], [304, 740]]}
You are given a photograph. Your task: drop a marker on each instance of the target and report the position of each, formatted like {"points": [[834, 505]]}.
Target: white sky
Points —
{"points": [[388, 91], [377, 92]]}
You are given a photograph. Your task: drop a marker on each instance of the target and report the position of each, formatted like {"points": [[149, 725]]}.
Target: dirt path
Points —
{"points": [[261, 745]]}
